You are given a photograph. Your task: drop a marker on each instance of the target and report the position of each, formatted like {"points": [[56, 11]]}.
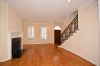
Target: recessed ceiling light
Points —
{"points": [[69, 1]]}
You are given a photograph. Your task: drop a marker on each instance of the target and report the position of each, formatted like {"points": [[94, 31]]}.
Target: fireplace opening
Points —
{"points": [[16, 47]]}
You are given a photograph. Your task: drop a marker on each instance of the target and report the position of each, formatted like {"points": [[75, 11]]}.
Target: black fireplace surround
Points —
{"points": [[16, 47]]}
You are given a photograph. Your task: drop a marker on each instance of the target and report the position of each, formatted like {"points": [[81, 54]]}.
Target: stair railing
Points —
{"points": [[71, 28]]}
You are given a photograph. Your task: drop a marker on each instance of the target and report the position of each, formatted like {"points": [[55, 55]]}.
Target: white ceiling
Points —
{"points": [[46, 10]]}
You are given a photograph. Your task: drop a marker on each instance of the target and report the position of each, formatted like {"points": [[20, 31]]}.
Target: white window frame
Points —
{"points": [[31, 33], [44, 33]]}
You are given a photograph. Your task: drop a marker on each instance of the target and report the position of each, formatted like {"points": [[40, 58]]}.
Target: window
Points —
{"points": [[31, 34], [44, 33]]}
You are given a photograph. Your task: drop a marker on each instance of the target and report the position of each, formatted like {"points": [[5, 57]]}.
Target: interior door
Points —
{"points": [[57, 37]]}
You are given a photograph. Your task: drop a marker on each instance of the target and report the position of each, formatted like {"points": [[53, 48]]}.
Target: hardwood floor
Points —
{"points": [[46, 55]]}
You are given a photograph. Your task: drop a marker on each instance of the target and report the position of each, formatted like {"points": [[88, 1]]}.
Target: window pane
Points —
{"points": [[44, 33], [31, 34], [32, 29]]}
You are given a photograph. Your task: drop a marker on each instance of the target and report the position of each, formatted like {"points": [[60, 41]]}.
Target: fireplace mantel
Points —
{"points": [[16, 34], [12, 35]]}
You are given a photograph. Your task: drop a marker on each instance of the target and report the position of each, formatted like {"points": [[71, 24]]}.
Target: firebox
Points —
{"points": [[16, 47]]}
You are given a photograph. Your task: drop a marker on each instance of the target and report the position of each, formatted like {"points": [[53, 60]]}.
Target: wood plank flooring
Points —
{"points": [[46, 55]]}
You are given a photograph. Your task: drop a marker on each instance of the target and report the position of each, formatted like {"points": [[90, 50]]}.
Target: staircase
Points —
{"points": [[70, 29]]}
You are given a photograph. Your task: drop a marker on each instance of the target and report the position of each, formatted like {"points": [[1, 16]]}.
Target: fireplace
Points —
{"points": [[16, 47]]}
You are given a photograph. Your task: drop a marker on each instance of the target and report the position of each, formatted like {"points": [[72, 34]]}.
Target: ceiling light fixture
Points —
{"points": [[69, 1]]}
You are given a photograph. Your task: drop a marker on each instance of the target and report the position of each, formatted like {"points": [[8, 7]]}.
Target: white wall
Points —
{"points": [[8, 19], [37, 26], [85, 42], [14, 21], [99, 26], [68, 20], [3, 31], [99, 9]]}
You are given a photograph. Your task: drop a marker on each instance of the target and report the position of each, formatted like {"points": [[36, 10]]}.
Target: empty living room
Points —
{"points": [[50, 33]]}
